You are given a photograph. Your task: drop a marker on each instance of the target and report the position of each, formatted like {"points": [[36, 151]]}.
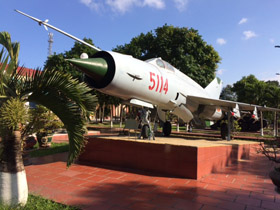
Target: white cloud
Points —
{"points": [[220, 72], [123, 6], [181, 4], [158, 4], [92, 4], [249, 34], [243, 20], [271, 78], [221, 41], [272, 41]]}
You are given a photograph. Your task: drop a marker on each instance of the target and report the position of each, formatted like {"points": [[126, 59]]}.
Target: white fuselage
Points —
{"points": [[165, 87]]}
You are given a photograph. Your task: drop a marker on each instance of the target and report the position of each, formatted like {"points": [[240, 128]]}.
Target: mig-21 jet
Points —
{"points": [[155, 83]]}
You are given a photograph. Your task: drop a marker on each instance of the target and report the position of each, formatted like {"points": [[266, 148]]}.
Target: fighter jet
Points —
{"points": [[155, 83]]}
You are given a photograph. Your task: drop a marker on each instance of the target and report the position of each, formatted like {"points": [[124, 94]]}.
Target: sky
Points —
{"points": [[243, 32]]}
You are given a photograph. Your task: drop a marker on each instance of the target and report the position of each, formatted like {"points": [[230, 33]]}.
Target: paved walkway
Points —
{"points": [[242, 186]]}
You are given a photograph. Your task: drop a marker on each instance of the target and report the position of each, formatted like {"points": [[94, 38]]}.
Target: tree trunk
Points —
{"points": [[97, 115], [103, 112], [13, 183], [111, 117], [121, 114], [100, 114]]}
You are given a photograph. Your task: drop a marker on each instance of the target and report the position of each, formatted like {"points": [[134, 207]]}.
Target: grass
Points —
{"points": [[54, 149], [104, 125], [37, 203], [182, 128]]}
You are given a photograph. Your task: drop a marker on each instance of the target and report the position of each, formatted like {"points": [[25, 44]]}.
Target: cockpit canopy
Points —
{"points": [[161, 63]]}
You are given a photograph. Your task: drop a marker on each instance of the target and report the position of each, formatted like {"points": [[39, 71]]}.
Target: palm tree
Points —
{"points": [[11, 47], [66, 97]]}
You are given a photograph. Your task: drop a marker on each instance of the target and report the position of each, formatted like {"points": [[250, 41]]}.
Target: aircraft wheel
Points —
{"points": [[224, 130], [145, 131], [166, 128]]}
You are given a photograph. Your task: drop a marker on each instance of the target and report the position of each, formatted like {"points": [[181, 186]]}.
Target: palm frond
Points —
{"points": [[64, 96], [15, 48], [11, 67], [3, 63], [64, 83], [7, 68], [12, 48]]}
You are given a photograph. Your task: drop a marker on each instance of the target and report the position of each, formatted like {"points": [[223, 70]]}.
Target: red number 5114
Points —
{"points": [[157, 82]]}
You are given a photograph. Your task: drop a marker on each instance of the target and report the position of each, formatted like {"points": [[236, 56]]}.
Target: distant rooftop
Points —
{"points": [[25, 71]]}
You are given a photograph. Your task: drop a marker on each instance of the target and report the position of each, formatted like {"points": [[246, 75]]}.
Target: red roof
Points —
{"points": [[26, 71]]}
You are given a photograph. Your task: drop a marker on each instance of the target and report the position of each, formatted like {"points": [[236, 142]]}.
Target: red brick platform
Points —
{"points": [[242, 186], [177, 157]]}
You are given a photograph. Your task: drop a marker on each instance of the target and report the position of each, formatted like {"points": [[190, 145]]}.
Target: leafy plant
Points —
{"points": [[271, 149], [236, 126], [42, 121], [13, 115]]}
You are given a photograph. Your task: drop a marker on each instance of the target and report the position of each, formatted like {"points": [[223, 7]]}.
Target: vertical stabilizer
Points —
{"points": [[214, 89]]}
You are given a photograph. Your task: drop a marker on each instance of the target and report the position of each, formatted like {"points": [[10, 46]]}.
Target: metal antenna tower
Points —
{"points": [[50, 43]]}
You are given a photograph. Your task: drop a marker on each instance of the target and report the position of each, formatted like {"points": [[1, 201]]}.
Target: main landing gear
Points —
{"points": [[226, 127], [166, 129], [146, 129]]}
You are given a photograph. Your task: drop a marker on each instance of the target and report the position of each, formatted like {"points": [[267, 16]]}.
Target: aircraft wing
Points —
{"points": [[229, 104]]}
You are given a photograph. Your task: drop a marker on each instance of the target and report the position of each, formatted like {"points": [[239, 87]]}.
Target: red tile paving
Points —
{"points": [[245, 185]]}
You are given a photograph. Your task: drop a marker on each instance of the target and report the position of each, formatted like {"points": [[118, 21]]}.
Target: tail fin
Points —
{"points": [[214, 89]]}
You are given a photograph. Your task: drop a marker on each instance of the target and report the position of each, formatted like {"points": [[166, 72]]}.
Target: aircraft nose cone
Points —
{"points": [[96, 68]]}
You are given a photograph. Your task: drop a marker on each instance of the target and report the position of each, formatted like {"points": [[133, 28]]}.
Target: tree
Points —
{"points": [[105, 100], [228, 94], [272, 94], [253, 91], [59, 62], [250, 90], [65, 96], [182, 47]]}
